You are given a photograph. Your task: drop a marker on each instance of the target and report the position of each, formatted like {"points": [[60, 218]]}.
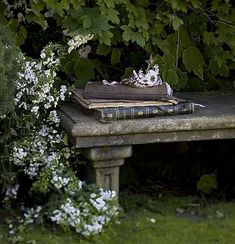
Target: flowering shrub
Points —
{"points": [[40, 152]]}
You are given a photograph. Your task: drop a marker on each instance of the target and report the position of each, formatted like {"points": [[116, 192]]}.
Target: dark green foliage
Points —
{"points": [[9, 58], [193, 41]]}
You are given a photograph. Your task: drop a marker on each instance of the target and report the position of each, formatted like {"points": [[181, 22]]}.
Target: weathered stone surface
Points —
{"points": [[108, 153], [216, 121], [105, 163], [107, 178]]}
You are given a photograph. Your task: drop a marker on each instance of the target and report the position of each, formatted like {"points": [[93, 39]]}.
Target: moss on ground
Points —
{"points": [[152, 221]]}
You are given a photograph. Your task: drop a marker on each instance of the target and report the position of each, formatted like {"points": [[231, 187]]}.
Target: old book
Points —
{"points": [[111, 114], [78, 97], [97, 90]]}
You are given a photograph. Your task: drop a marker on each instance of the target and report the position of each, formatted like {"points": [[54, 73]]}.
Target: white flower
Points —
{"points": [[149, 79], [35, 109], [63, 90], [77, 41]]}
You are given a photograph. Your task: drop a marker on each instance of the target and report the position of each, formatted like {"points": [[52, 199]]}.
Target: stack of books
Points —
{"points": [[115, 102]]}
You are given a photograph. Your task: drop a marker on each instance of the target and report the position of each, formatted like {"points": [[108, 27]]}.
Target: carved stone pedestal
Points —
{"points": [[105, 163]]}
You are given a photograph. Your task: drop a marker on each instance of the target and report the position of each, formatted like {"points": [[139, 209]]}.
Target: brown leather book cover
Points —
{"points": [[78, 97], [97, 90]]}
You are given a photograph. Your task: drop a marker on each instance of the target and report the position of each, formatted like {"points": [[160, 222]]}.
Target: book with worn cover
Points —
{"points": [[98, 90], [111, 114], [78, 97]]}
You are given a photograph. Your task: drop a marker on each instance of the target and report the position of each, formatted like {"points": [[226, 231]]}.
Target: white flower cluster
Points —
{"points": [[10, 9], [141, 79], [77, 41], [36, 82], [35, 152], [32, 215], [68, 213], [99, 203], [81, 218], [11, 192], [59, 181]]}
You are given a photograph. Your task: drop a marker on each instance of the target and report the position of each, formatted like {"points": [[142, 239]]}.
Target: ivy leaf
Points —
{"points": [[193, 61], [177, 22], [170, 76], [115, 56]]}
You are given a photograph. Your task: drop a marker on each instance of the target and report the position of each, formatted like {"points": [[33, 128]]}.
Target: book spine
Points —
{"points": [[111, 114]]}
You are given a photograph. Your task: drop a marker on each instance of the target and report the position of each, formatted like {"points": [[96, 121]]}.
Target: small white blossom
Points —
{"points": [[77, 41]]}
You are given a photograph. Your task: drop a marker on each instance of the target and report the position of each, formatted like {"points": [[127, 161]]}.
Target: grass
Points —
{"points": [[147, 220]]}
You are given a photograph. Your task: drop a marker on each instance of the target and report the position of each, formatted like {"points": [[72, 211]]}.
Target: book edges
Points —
{"points": [[78, 97]]}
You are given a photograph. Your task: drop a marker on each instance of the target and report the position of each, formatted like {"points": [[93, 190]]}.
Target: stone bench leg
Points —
{"points": [[105, 163]]}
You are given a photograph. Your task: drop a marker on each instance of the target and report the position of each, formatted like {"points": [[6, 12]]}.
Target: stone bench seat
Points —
{"points": [[106, 145]]}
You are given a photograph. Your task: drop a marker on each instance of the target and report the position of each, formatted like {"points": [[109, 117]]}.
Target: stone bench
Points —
{"points": [[106, 145]]}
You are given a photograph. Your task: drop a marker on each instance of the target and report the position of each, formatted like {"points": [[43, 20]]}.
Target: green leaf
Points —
{"points": [[3, 20], [84, 70], [170, 76], [213, 66], [103, 49], [177, 22], [143, 3], [138, 38], [178, 5], [112, 15], [105, 37], [207, 183], [115, 56], [183, 80], [127, 33], [196, 3], [21, 35], [128, 72], [87, 21], [208, 38], [193, 61], [185, 40]]}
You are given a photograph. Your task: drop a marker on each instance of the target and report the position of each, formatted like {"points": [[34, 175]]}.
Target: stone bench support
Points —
{"points": [[105, 163]]}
